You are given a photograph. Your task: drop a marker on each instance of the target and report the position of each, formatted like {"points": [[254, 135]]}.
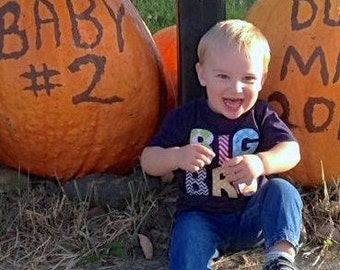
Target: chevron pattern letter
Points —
{"points": [[195, 183], [223, 148]]}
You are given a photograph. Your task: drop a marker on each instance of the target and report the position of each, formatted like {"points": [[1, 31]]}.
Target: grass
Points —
{"points": [[41, 227], [161, 13], [157, 14]]}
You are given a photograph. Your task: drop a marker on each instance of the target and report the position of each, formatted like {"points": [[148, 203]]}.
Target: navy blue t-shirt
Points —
{"points": [[257, 130]]}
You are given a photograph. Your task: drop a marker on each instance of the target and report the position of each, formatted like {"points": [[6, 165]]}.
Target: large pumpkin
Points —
{"points": [[166, 42], [304, 79], [80, 86]]}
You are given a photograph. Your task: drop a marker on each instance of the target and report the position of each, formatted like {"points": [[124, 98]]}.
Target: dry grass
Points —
{"points": [[41, 228], [322, 222]]}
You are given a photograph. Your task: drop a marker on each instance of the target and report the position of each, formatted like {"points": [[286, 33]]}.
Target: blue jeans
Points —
{"points": [[272, 215]]}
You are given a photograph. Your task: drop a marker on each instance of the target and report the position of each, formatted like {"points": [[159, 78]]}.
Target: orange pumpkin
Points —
{"points": [[81, 87], [166, 42], [304, 79]]}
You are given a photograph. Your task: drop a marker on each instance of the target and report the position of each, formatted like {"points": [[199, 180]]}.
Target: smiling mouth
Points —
{"points": [[233, 103]]}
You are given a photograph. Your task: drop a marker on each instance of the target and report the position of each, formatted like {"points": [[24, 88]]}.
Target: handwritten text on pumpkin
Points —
{"points": [[10, 29]]}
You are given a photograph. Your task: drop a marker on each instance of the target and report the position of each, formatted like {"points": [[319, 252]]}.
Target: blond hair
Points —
{"points": [[244, 35]]}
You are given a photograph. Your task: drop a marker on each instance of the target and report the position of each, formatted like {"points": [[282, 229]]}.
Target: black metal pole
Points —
{"points": [[194, 18]]}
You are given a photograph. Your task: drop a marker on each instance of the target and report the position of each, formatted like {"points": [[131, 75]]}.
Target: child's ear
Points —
{"points": [[264, 77], [200, 74]]}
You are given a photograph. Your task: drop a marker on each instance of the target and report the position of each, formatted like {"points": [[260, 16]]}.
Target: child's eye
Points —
{"points": [[223, 76], [249, 79]]}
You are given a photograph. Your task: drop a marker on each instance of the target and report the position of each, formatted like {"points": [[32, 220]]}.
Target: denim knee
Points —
{"points": [[281, 213], [194, 241]]}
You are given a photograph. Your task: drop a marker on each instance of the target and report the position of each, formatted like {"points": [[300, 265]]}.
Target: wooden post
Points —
{"points": [[194, 18]]}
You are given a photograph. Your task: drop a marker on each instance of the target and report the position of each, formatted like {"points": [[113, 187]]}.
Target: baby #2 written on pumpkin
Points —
{"points": [[74, 76], [304, 80], [42, 78]]}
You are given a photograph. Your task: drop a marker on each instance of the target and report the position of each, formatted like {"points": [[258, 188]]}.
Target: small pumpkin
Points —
{"points": [[75, 79], [166, 42], [304, 79]]}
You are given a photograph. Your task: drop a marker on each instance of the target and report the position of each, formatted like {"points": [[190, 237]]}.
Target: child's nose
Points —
{"points": [[236, 86]]}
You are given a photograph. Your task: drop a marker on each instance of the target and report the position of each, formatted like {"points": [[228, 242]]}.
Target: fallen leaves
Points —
{"points": [[146, 246]]}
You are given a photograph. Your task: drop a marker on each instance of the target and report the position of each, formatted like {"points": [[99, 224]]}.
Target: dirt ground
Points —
{"points": [[252, 260], [323, 256]]}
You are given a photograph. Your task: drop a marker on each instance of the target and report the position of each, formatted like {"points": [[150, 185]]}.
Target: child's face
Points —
{"points": [[232, 80]]}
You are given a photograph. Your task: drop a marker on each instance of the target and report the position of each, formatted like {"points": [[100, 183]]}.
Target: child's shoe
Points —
{"points": [[279, 263]]}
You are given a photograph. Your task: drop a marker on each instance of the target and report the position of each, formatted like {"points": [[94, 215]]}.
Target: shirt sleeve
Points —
{"points": [[272, 129], [174, 130]]}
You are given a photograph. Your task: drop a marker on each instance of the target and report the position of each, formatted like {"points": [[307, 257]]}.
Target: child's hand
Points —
{"points": [[243, 169], [193, 157]]}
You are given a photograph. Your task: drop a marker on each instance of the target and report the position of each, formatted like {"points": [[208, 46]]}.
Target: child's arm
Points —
{"points": [[282, 157], [158, 161]]}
